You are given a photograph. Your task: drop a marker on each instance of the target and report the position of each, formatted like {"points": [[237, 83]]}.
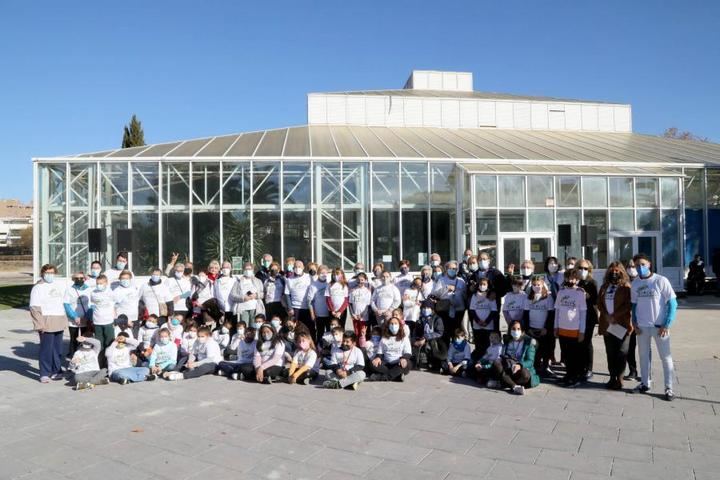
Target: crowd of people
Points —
{"points": [[301, 323]]}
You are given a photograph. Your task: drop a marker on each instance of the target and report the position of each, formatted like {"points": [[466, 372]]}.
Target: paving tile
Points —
{"points": [[470, 464], [575, 462], [343, 461], [630, 470], [611, 448], [389, 470], [518, 471]]}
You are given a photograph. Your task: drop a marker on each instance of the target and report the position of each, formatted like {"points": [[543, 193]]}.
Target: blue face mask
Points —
{"points": [[175, 322], [459, 345], [125, 283], [515, 334], [49, 277], [435, 275], [375, 338], [451, 272], [643, 270], [394, 328], [101, 287], [155, 278]]}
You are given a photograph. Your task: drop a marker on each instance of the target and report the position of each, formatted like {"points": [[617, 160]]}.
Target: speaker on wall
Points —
{"points": [[589, 236], [97, 240], [124, 240], [564, 235]]}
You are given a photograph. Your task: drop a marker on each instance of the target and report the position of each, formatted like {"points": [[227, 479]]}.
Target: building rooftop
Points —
{"points": [[472, 145]]}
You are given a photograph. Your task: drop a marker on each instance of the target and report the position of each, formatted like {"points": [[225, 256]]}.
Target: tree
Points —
{"points": [[674, 132], [133, 134]]}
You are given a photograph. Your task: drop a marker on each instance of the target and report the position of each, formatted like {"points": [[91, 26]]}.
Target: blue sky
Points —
{"points": [[72, 73]]}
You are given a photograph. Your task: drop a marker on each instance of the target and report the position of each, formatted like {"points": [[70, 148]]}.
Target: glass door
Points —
{"points": [[516, 248], [626, 245]]}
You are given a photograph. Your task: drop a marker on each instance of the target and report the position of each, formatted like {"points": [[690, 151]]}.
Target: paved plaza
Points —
{"points": [[429, 427]]}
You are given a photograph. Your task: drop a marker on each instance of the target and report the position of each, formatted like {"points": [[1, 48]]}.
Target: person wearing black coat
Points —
{"points": [[588, 283]]}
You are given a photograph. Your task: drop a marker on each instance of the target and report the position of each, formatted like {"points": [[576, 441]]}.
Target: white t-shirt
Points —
{"points": [[126, 301], [403, 282], [247, 285], [411, 305], [360, 299], [391, 349], [514, 305], [103, 306], [337, 293], [296, 289], [222, 289], [79, 299], [568, 305], [538, 310], [386, 297], [153, 295], [308, 359], [179, 287], [316, 298], [48, 297], [650, 295], [273, 290], [610, 299], [482, 307], [347, 360]]}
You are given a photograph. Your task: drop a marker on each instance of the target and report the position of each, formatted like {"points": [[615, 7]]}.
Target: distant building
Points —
{"points": [[14, 218]]}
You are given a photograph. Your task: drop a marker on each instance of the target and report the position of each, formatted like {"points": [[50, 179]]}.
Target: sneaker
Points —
{"points": [[82, 386], [492, 384], [305, 381], [669, 395], [519, 390], [641, 388], [44, 379], [331, 384], [267, 381], [174, 376], [220, 373], [104, 381], [550, 372], [150, 377], [589, 375], [401, 378], [57, 376], [123, 381], [355, 385], [235, 376], [632, 375], [443, 371]]}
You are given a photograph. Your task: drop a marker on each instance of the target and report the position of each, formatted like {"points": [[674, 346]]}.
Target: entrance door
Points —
{"points": [[626, 245], [516, 248]]}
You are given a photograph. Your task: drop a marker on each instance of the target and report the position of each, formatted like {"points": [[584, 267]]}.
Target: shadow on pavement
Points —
{"points": [[19, 366]]}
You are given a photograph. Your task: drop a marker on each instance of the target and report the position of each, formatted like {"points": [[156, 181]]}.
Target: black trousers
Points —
{"points": [[451, 323], [482, 342], [322, 325], [632, 346], [573, 354], [588, 350], [508, 379], [204, 369], [275, 309], [545, 345], [247, 369], [391, 371], [616, 351], [303, 315]]}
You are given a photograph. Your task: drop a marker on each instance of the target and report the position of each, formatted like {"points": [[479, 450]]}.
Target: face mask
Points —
{"points": [[163, 340], [94, 273], [404, 270], [359, 271], [644, 271], [552, 267], [484, 264], [85, 346], [427, 312], [435, 263], [394, 328], [312, 272], [334, 277], [436, 275], [459, 339], [337, 338], [120, 265], [248, 273], [387, 281], [120, 345], [473, 267], [155, 278], [267, 336], [570, 266], [125, 283], [289, 267], [515, 334], [466, 257], [150, 325], [322, 277], [344, 347], [79, 282], [192, 335], [202, 339], [241, 332], [526, 272], [451, 272], [375, 338], [583, 274], [187, 271], [266, 263], [483, 288], [537, 288], [291, 335], [101, 287], [304, 345], [178, 274], [298, 271], [276, 324], [49, 277], [225, 330], [632, 271], [175, 322], [614, 277]]}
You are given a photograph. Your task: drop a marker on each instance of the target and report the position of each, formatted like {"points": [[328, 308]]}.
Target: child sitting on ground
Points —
{"points": [[371, 347], [164, 355], [483, 365], [330, 340], [122, 324], [303, 368], [222, 335], [244, 345], [204, 358], [348, 368], [84, 365], [120, 362], [268, 359], [458, 355]]}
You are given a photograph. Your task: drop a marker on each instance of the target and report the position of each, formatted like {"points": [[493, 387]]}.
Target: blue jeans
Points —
{"points": [[132, 374], [51, 346]]}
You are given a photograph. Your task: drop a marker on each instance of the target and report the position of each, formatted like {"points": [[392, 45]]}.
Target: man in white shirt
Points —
{"points": [[348, 368], [654, 306], [385, 299], [296, 288], [223, 286], [404, 278], [102, 300], [155, 297], [180, 288], [112, 274]]}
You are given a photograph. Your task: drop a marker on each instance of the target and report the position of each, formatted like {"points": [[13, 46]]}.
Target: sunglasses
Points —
{"points": [[583, 268]]}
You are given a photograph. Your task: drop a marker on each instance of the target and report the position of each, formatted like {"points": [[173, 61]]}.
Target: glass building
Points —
{"points": [[377, 176]]}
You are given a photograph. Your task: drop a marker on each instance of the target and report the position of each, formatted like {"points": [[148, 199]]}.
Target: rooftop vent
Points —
{"points": [[436, 80]]}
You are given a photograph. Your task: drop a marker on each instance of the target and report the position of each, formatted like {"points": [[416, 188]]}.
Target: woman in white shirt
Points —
{"points": [[360, 299], [392, 359], [337, 295], [246, 295], [48, 317], [155, 297]]}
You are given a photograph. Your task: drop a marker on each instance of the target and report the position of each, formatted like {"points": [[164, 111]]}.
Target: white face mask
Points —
{"points": [[337, 338], [526, 271], [248, 273], [435, 263], [225, 330], [552, 267], [632, 271], [179, 274], [483, 288], [583, 274], [241, 332], [484, 264], [298, 271], [226, 272], [322, 277], [473, 267]]}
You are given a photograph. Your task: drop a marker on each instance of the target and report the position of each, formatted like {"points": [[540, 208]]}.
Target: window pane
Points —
{"points": [[621, 192], [386, 237], [486, 223], [145, 253], [670, 195], [176, 181], [414, 180], [265, 185], [353, 238], [236, 183], [694, 234], [145, 184], [176, 230], [594, 192], [572, 218], [647, 220], [540, 221], [568, 191], [512, 191], [114, 184], [236, 235], [512, 220], [206, 238], [355, 216], [622, 220], [443, 210], [670, 239], [297, 234], [297, 181], [694, 188], [540, 191], [266, 235], [485, 191], [598, 218], [384, 183], [206, 184], [646, 190]]}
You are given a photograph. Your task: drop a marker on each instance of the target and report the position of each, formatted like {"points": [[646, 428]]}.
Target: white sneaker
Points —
{"points": [[519, 390], [174, 376], [492, 384], [234, 376]]}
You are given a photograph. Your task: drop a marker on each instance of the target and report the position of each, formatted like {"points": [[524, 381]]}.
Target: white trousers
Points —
{"points": [[644, 340]]}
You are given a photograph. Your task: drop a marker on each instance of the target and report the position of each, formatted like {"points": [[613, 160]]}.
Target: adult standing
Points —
{"points": [[385, 299], [263, 272], [155, 298], [464, 265], [404, 279], [615, 309], [654, 306], [317, 305], [696, 276], [296, 289], [127, 300], [632, 347], [103, 314], [77, 308], [121, 263], [180, 286], [553, 276], [49, 320], [95, 271], [223, 286], [527, 269], [588, 283], [497, 286], [452, 300], [246, 295], [274, 288]]}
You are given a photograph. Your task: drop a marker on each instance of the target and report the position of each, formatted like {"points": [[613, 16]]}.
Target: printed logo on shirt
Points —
{"points": [[646, 291], [513, 304], [567, 302]]}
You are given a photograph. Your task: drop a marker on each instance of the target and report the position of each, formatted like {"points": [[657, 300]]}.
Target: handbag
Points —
{"points": [[443, 305], [162, 307]]}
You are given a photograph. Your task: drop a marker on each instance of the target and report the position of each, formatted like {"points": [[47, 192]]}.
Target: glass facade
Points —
{"points": [[340, 213]]}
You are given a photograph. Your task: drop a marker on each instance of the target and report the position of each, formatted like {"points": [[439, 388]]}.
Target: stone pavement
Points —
{"points": [[429, 427]]}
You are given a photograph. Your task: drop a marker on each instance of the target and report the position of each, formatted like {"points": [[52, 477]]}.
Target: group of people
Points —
{"points": [[301, 323]]}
